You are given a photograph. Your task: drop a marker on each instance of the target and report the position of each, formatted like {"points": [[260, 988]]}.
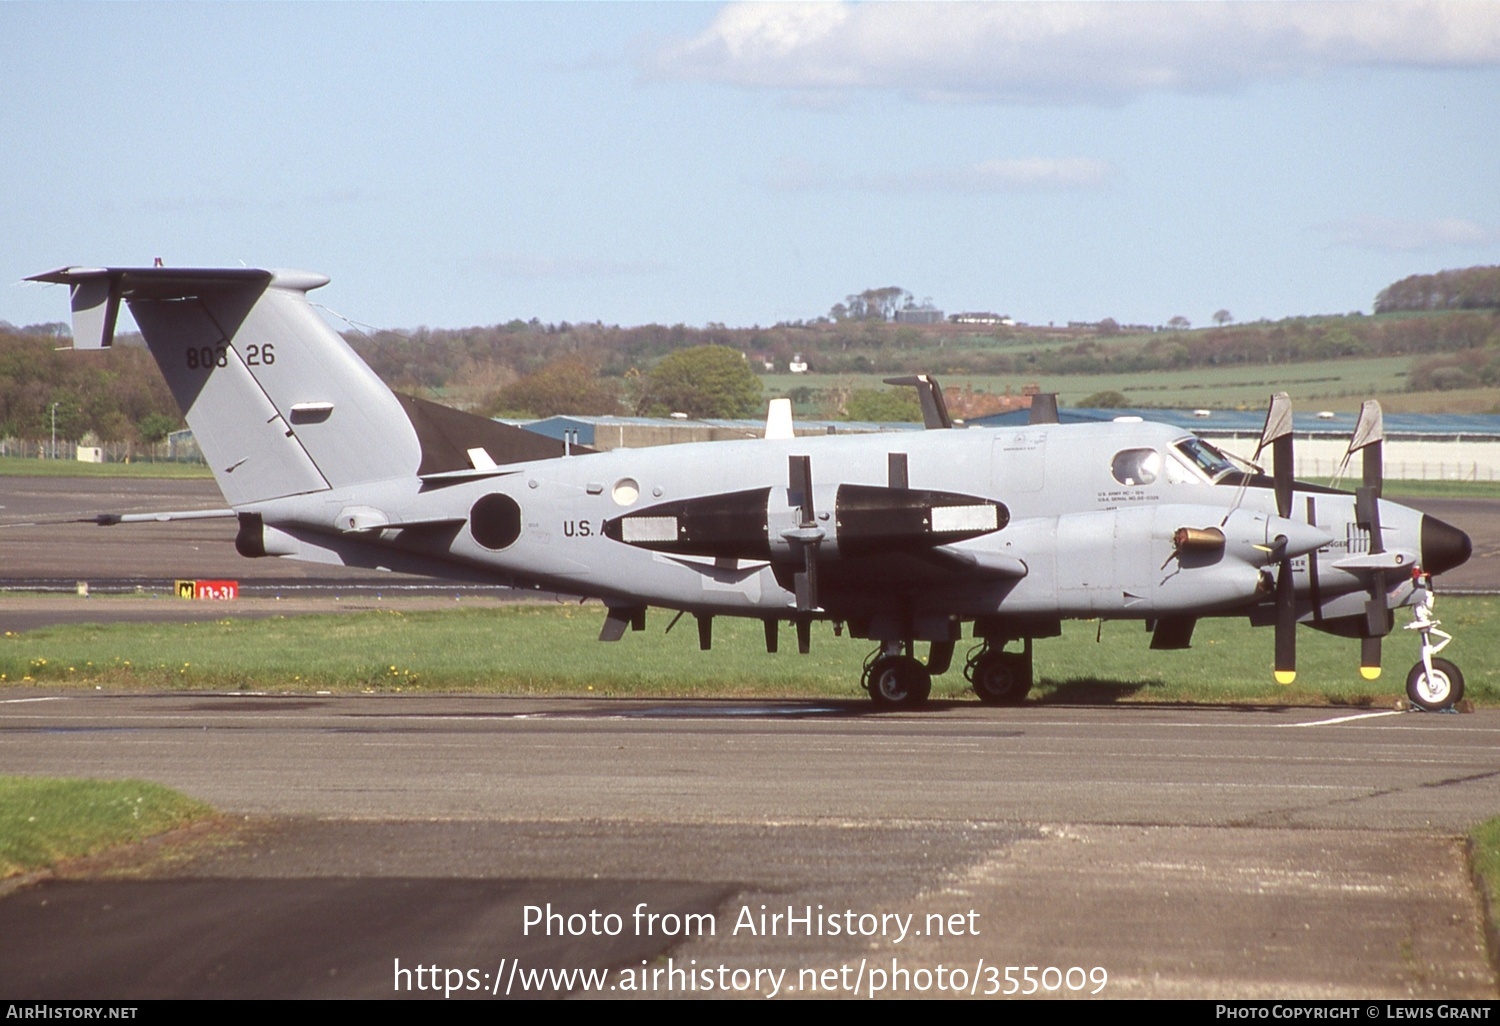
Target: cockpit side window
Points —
{"points": [[1136, 466], [1205, 457]]}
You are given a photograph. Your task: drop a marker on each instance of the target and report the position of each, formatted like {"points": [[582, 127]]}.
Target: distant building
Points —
{"points": [[979, 317], [925, 314], [798, 365]]}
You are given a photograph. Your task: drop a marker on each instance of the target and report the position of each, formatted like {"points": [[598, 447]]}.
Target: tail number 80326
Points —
{"points": [[208, 357]]}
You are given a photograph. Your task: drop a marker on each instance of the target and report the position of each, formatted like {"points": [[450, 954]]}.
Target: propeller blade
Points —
{"points": [[1369, 658], [1286, 625], [1278, 435], [1369, 439], [806, 579], [801, 486]]}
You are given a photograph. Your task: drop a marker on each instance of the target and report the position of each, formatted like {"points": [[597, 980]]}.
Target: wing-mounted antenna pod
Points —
{"points": [[1368, 440], [1043, 408], [1277, 434], [779, 423], [930, 394]]}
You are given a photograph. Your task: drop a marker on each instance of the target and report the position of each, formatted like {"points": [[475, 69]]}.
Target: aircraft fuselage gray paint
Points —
{"points": [[905, 537]]}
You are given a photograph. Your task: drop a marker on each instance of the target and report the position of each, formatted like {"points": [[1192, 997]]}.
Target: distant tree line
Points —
{"points": [[118, 395], [1471, 288], [528, 368]]}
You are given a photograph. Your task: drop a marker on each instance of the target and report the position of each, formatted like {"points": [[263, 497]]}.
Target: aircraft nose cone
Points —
{"points": [[1443, 546]]}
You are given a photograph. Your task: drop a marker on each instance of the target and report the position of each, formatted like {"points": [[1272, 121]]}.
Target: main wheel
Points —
{"points": [[1439, 691], [899, 682], [1002, 678]]}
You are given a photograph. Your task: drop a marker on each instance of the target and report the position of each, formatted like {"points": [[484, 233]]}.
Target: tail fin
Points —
{"points": [[278, 402]]}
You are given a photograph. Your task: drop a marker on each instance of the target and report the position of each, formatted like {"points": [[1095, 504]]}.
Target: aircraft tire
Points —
{"points": [[1002, 678], [899, 682], [1442, 691]]}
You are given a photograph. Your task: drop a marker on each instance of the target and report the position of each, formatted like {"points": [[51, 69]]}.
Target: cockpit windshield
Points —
{"points": [[1213, 463]]}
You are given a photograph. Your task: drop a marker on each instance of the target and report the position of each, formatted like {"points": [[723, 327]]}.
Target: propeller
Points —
{"points": [[1368, 440], [807, 536], [1278, 435]]}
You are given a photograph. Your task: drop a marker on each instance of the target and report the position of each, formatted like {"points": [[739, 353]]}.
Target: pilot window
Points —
{"points": [[1205, 457], [1136, 466]]}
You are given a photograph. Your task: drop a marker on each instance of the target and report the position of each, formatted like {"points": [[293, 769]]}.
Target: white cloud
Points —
{"points": [[999, 175], [1390, 233], [1051, 52]]}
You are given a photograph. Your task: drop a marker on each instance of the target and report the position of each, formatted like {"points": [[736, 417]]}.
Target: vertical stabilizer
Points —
{"points": [[278, 402]]}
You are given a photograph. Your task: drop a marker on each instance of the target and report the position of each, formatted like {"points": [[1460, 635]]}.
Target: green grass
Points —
{"points": [[551, 649], [1402, 489], [1484, 857], [43, 821], [17, 466]]}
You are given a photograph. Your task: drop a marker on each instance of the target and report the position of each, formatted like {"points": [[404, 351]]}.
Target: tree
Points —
{"points": [[872, 304], [1222, 317], [884, 405], [1179, 323], [1108, 400], [565, 385], [705, 381]]}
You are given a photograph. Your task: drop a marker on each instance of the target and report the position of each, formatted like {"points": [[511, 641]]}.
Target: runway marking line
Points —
{"points": [[1343, 719], [49, 698]]}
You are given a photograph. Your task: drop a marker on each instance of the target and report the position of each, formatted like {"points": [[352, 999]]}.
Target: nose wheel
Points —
{"points": [[1433, 684], [1437, 688]]}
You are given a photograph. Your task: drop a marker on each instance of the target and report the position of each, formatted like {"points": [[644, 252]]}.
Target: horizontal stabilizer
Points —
{"points": [[97, 291], [110, 519]]}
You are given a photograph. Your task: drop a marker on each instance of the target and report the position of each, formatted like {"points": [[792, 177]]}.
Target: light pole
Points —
{"points": [[54, 429]]}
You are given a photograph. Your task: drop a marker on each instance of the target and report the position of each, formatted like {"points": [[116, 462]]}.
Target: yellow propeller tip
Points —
{"points": [[1370, 672], [1285, 676]]}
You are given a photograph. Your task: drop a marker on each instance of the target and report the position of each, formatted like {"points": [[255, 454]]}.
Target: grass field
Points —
{"points": [[1339, 385], [43, 821], [16, 466], [551, 649], [1484, 856]]}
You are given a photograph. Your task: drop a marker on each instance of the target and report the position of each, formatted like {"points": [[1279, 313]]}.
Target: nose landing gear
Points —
{"points": [[1433, 684]]}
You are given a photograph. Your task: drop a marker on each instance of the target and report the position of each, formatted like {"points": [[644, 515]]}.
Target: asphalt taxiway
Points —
{"points": [[1211, 853]]}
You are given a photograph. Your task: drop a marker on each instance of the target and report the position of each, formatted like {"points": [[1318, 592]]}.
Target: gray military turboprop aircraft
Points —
{"points": [[896, 538]]}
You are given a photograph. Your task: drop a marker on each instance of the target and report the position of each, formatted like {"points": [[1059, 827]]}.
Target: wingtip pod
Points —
{"points": [[302, 281]]}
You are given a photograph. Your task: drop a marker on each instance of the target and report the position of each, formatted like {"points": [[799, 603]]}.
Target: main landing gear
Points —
{"points": [[1000, 677], [1433, 684], [895, 679]]}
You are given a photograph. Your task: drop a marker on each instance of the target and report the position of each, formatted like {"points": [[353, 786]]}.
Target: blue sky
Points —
{"points": [[457, 164]]}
